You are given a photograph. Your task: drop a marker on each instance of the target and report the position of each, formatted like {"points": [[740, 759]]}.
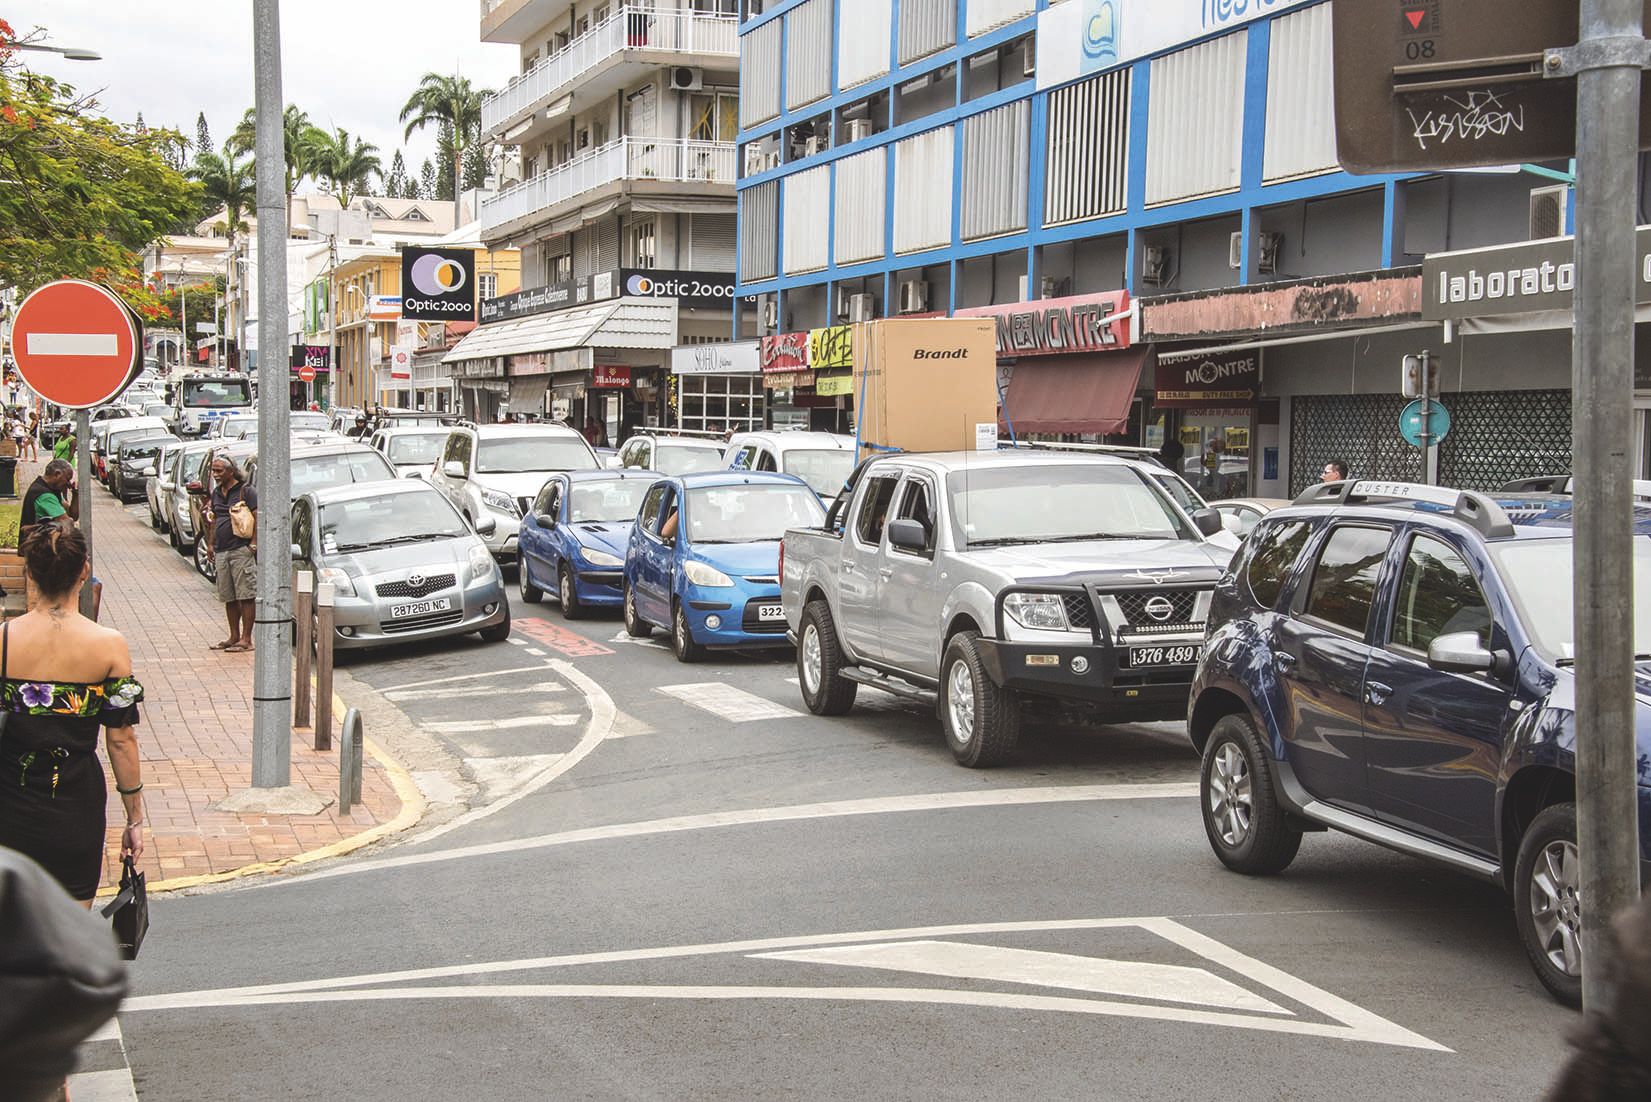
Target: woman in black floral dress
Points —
{"points": [[62, 679]]}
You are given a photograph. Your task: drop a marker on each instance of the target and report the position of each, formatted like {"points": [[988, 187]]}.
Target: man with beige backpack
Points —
{"points": [[233, 515]]}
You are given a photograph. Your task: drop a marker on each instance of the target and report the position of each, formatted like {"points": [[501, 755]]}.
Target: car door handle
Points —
{"points": [[1284, 660], [1376, 693], [848, 567], [885, 572]]}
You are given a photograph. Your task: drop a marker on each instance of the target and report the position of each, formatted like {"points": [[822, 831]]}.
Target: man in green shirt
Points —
{"points": [[64, 449], [44, 500]]}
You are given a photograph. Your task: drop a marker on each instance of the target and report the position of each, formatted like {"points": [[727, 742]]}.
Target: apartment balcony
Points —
{"points": [[606, 59], [628, 166], [515, 20]]}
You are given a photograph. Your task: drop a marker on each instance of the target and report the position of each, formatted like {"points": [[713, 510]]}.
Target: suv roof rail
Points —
{"points": [[1473, 509]]}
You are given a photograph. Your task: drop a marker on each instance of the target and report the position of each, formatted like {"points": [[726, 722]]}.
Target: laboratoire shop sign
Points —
{"points": [[438, 284], [1050, 326], [1223, 379], [1515, 279]]}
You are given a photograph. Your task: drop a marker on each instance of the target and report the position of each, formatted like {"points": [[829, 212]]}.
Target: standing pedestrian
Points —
{"points": [[62, 678], [232, 513], [64, 449], [1335, 471], [33, 438]]}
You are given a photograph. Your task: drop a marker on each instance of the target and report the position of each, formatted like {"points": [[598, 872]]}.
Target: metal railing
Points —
{"points": [[630, 28], [671, 160]]}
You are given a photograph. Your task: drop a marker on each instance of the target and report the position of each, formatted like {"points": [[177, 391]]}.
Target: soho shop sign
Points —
{"points": [[1514, 279]]}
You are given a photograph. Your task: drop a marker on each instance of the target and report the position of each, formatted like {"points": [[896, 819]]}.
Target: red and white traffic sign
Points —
{"points": [[307, 373], [76, 343]]}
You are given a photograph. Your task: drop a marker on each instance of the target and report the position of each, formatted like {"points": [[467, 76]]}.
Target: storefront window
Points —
{"points": [[1217, 452], [717, 403]]}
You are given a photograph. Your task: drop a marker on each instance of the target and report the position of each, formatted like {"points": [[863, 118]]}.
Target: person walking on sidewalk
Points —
{"points": [[62, 677], [233, 552]]}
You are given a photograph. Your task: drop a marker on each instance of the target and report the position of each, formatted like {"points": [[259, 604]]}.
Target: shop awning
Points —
{"points": [[621, 323], [527, 395], [1077, 393]]}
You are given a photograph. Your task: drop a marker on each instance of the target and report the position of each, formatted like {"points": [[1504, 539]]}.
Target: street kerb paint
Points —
{"points": [[77, 344], [560, 639]]}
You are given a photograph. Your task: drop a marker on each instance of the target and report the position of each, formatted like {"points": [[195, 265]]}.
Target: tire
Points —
{"points": [[1546, 908], [1247, 828], [682, 637], [178, 544], [204, 566], [531, 593], [571, 606], [820, 663], [499, 632], [154, 521], [635, 626], [981, 720]]}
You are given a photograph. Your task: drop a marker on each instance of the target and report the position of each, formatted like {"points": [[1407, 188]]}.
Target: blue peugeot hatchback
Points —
{"points": [[574, 538], [704, 559], [1396, 662]]}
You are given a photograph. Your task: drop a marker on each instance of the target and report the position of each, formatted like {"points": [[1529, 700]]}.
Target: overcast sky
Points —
{"points": [[349, 63]]}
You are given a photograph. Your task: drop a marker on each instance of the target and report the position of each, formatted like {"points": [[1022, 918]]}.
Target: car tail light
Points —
{"points": [[782, 560]]}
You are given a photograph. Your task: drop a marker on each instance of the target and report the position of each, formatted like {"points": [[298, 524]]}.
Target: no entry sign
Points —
{"points": [[76, 343], [307, 373]]}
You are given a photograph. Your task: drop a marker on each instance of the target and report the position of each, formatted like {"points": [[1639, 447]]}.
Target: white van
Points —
{"points": [[824, 460]]}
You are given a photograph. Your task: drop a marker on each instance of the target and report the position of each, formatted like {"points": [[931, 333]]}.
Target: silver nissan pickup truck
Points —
{"points": [[976, 581]]}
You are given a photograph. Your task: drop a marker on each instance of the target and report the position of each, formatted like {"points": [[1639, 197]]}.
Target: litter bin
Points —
{"points": [[8, 476]]}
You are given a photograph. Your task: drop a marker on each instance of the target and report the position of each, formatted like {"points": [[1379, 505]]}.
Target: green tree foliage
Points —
{"points": [[203, 136], [200, 297], [475, 166], [295, 129], [80, 192], [445, 175], [427, 180], [451, 100], [395, 181], [229, 185], [348, 165]]}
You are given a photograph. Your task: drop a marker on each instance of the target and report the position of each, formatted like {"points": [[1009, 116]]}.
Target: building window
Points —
{"points": [[718, 403], [602, 14], [642, 244], [487, 285], [561, 41], [584, 138], [559, 269], [713, 116], [582, 26]]}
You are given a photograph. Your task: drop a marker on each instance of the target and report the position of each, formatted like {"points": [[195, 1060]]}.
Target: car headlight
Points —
{"points": [[701, 574], [481, 562], [602, 558], [335, 577], [1039, 611], [499, 502]]}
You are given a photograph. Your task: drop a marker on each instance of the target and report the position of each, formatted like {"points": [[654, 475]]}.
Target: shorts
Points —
{"points": [[237, 574]]}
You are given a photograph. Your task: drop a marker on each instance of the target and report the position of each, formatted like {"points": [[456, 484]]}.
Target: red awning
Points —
{"points": [[1079, 393]]}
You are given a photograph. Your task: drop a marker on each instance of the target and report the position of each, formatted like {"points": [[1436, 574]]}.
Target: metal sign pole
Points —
{"points": [[83, 495], [1607, 62]]}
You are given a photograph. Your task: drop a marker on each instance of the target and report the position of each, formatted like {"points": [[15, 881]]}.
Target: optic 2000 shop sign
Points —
{"points": [[1082, 37], [438, 284], [1514, 279]]}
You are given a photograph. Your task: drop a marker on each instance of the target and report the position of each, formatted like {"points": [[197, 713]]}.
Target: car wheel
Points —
{"points": [[500, 631], [531, 593], [682, 638], [1246, 826], [635, 626], [571, 608], [154, 521], [981, 720], [178, 544], [1547, 902], [204, 566], [820, 664]]}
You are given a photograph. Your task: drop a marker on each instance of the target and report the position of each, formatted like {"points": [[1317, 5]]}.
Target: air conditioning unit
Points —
{"points": [[1047, 287], [1155, 262], [861, 308], [1549, 207], [914, 296], [857, 129], [1029, 58], [1235, 251], [813, 146], [685, 79], [1270, 245], [771, 314]]}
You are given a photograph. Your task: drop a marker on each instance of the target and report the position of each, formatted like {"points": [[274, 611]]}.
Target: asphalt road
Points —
{"points": [[661, 881]]}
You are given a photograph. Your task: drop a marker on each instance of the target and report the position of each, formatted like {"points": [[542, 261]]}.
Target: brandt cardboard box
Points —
{"points": [[925, 384]]}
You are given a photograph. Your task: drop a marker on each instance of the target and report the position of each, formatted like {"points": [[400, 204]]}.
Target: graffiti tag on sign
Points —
{"points": [[1469, 117], [832, 347]]}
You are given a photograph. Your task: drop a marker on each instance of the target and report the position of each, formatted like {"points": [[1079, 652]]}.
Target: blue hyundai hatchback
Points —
{"points": [[704, 559], [1396, 662], [574, 538]]}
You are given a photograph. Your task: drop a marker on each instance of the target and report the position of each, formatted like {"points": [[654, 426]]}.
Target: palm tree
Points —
{"points": [[295, 128], [447, 99], [347, 164], [233, 183]]}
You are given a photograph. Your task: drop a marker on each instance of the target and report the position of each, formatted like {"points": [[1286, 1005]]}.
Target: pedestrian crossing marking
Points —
{"points": [[727, 702], [472, 690], [468, 726]]}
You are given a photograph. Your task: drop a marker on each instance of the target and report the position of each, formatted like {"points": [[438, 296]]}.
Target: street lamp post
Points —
{"points": [[73, 53]]}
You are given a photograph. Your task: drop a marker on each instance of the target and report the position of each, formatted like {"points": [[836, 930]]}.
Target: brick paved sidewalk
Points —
{"points": [[196, 732]]}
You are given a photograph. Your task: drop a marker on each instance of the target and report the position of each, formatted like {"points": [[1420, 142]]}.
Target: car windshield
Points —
{"points": [[304, 421], [824, 469], [316, 472], [750, 514], [520, 454], [686, 459], [613, 502], [193, 463], [394, 518], [1176, 488], [1047, 503], [146, 449], [216, 393], [421, 447], [156, 409], [1538, 575]]}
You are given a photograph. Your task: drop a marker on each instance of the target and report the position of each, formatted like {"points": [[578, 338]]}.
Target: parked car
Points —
{"points": [[132, 463], [1229, 538], [239, 452], [156, 409], [498, 470], [342, 419], [1248, 511], [235, 425], [1396, 662], [185, 475], [824, 460], [165, 463], [404, 565], [704, 559], [112, 412], [412, 450], [669, 454], [109, 439], [575, 536], [976, 581], [332, 463]]}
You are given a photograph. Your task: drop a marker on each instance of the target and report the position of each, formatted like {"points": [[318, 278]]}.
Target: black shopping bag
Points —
{"points": [[128, 911]]}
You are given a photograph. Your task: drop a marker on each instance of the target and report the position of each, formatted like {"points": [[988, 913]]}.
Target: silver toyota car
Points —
{"points": [[403, 564]]}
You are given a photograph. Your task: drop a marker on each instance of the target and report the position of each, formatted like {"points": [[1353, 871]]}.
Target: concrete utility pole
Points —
{"points": [[83, 494], [1607, 61]]}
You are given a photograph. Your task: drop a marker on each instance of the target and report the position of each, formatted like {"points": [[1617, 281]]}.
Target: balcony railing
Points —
{"points": [[669, 160], [631, 28]]}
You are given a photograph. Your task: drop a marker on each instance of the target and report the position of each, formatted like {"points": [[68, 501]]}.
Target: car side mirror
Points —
{"points": [[1460, 652], [546, 520], [908, 535], [453, 469], [192, 487], [1208, 521], [486, 526]]}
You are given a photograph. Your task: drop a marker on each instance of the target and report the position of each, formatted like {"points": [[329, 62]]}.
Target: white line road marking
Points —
{"points": [[499, 777], [626, 637], [536, 652], [474, 690], [470, 726], [73, 344], [515, 642], [879, 805], [538, 667], [1170, 983], [112, 1084], [726, 702]]}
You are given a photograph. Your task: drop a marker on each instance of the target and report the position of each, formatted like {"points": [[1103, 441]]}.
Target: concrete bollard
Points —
{"points": [[323, 665], [350, 756], [303, 615]]}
